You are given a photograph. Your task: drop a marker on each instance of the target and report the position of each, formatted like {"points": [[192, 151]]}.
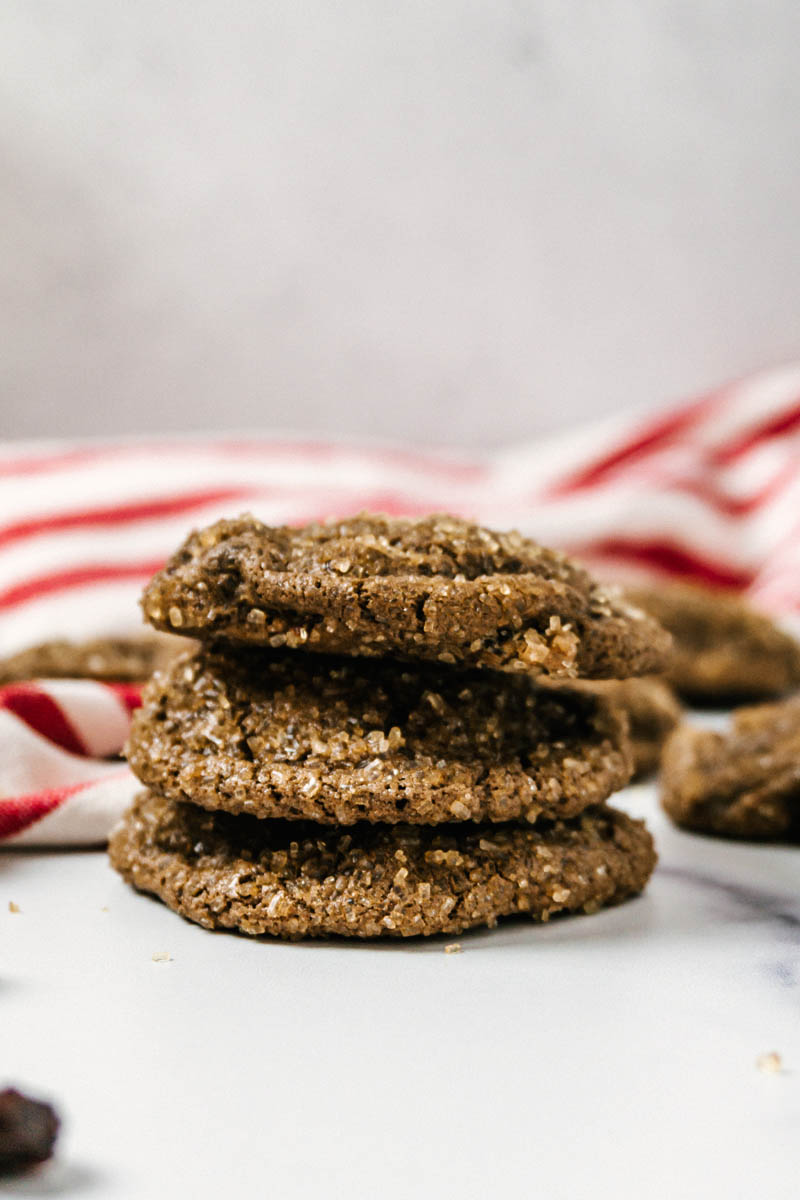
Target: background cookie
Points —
{"points": [[118, 660], [337, 740], [743, 783], [374, 880], [438, 588], [723, 650]]}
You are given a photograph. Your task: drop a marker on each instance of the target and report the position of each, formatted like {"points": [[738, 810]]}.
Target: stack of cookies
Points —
{"points": [[367, 740]]}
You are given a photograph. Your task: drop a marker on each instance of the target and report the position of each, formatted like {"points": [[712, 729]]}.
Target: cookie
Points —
{"points": [[723, 650], [652, 711], [744, 783], [299, 880], [118, 660], [338, 740], [438, 588]]}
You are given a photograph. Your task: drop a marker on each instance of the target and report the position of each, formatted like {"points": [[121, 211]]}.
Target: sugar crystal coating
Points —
{"points": [[338, 740], [301, 880], [439, 588]]}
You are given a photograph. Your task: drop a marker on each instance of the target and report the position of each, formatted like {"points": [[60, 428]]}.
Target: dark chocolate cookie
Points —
{"points": [[339, 740], [744, 783], [295, 881], [723, 650], [438, 588]]}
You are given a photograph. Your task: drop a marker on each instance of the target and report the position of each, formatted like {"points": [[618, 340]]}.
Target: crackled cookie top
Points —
{"points": [[119, 660], [723, 650], [297, 880], [741, 783], [439, 588], [340, 740]]}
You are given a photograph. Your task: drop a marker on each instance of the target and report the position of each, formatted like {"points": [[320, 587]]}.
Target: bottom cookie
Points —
{"points": [[295, 879], [744, 783]]}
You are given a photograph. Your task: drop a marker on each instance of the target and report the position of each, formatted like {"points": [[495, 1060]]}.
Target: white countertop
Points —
{"points": [[612, 1055]]}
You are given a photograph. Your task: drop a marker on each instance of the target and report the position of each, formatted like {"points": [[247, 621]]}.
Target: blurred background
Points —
{"points": [[455, 222]]}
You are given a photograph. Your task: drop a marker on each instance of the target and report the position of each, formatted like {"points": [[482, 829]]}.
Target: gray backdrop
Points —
{"points": [[451, 221]]}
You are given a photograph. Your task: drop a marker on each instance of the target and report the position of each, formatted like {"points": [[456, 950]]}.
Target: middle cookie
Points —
{"points": [[340, 740]]}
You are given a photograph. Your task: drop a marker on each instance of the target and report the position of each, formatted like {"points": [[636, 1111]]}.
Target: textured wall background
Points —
{"points": [[456, 221]]}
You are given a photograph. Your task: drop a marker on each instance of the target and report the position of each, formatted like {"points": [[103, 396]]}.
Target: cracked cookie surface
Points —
{"points": [[295, 881], [439, 588]]}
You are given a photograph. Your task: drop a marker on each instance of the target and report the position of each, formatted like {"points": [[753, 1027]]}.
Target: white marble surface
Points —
{"points": [[605, 1056], [461, 221]]}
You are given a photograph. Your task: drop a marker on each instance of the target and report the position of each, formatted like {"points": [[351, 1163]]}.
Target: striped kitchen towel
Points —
{"points": [[709, 490]]}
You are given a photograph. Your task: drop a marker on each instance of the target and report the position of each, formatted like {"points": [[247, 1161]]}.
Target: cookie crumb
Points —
{"points": [[770, 1064], [13, 908], [162, 956], [453, 948]]}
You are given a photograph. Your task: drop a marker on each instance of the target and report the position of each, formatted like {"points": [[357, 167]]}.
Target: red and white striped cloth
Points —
{"points": [[709, 490]]}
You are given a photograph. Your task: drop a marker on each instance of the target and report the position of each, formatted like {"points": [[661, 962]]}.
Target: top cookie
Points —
{"points": [[724, 651], [438, 588]]}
